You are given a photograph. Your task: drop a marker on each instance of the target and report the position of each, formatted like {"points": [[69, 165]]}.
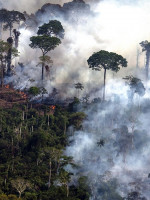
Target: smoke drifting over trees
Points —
{"points": [[113, 22], [111, 147], [33, 5]]}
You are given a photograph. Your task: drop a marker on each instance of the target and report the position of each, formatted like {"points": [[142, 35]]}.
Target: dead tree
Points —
{"points": [[146, 47]]}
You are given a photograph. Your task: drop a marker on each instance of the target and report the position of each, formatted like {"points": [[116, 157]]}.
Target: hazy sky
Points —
{"points": [[32, 5]]}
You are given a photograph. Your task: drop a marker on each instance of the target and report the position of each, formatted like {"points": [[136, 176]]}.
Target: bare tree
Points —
{"points": [[20, 185], [146, 47]]}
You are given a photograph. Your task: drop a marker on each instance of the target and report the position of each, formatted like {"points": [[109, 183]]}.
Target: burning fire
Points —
{"points": [[52, 107], [23, 95], [7, 86]]}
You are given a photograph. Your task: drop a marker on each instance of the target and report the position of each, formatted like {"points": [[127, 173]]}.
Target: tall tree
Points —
{"points": [[12, 52], [54, 31], [4, 51], [4, 47], [45, 44], [11, 18], [107, 61], [146, 47]]}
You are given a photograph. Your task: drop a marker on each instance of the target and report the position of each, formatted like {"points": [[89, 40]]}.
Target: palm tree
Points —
{"points": [[79, 86]]}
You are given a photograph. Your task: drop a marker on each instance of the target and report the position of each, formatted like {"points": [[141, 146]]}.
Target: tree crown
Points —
{"points": [[53, 28], [145, 45], [106, 60], [45, 43], [12, 17]]}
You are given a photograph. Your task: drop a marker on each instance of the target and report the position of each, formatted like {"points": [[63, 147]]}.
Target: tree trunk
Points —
{"points": [[12, 151], [104, 84], [50, 173], [23, 115], [48, 120], [10, 31], [9, 56], [58, 166], [19, 195], [67, 187], [1, 28], [137, 59], [42, 72], [2, 75], [65, 128], [32, 129], [147, 64]]}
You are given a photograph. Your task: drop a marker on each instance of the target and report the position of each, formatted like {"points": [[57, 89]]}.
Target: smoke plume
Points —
{"points": [[112, 149]]}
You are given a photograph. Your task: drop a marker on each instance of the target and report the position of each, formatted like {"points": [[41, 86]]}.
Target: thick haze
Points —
{"points": [[117, 26], [124, 156], [32, 5]]}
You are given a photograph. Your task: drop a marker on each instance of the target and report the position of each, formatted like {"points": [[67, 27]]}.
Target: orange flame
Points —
{"points": [[7, 86], [23, 95], [52, 107]]}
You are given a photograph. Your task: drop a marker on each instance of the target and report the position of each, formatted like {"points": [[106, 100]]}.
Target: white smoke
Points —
{"points": [[33, 5], [118, 158], [115, 26]]}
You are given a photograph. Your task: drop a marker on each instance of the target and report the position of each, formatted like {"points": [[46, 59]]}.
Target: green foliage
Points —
{"points": [[107, 191], [45, 60], [83, 188], [34, 91], [3, 197], [45, 43], [13, 17], [53, 28], [4, 47], [76, 119], [106, 60], [9, 197], [12, 197], [28, 146], [30, 196], [73, 107]]}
